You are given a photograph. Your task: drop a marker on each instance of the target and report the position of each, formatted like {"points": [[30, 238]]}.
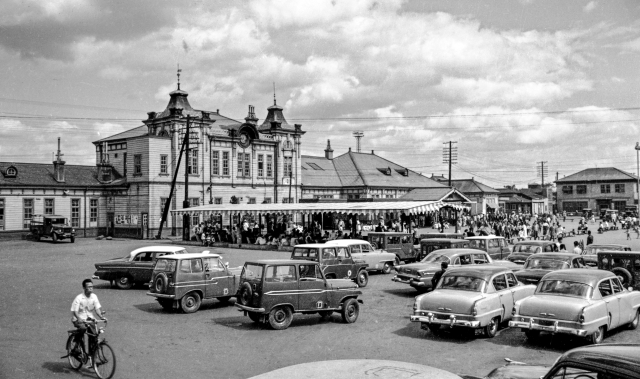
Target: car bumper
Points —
{"points": [[161, 296], [555, 328], [414, 282], [250, 309], [451, 321]]}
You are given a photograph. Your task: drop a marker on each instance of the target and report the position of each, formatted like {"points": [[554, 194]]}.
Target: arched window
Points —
{"points": [[11, 172]]}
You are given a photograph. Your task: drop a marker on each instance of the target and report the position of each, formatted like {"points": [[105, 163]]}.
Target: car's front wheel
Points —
{"points": [[386, 268], [55, 237], [350, 311], [597, 336], [191, 302], [280, 317], [634, 323], [363, 278], [124, 282]]}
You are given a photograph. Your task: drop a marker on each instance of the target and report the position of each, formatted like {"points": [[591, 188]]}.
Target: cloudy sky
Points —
{"points": [[513, 82]]}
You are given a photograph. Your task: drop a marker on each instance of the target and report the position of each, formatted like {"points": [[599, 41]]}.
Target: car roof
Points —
{"points": [[477, 271], [625, 357], [453, 252], [554, 255], [190, 255], [440, 234], [452, 240], [619, 252], [157, 249], [535, 243], [580, 275], [483, 237], [345, 242], [389, 233], [280, 261], [317, 245], [599, 245]]}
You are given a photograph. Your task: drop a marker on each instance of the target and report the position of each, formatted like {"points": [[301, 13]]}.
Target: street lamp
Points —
{"points": [[638, 176]]}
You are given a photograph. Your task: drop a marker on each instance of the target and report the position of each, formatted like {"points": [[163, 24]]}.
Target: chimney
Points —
{"points": [[328, 152], [251, 116], [58, 165], [372, 152]]}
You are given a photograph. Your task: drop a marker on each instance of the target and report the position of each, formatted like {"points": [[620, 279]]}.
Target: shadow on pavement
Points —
{"points": [[244, 323], [63, 367], [456, 335], [403, 292], [155, 308]]}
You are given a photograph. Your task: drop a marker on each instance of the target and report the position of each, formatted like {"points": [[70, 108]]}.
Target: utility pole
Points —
{"points": [[186, 228], [167, 204], [542, 171], [450, 156]]}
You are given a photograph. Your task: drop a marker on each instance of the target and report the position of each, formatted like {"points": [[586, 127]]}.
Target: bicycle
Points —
{"points": [[104, 360]]}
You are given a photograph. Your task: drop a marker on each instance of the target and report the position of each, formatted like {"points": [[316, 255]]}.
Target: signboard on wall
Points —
{"points": [[123, 219]]}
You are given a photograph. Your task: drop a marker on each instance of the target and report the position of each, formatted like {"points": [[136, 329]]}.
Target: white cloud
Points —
{"points": [[590, 6]]}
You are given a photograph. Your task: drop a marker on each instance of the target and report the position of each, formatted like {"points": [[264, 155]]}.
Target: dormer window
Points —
{"points": [[11, 172]]}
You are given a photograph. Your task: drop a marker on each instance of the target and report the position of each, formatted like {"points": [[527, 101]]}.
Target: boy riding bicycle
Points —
{"points": [[84, 307]]}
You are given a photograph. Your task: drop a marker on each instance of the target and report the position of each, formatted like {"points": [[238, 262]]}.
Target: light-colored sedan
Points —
{"points": [[478, 296], [378, 260], [581, 302]]}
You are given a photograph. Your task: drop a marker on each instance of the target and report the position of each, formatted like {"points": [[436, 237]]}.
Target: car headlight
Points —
{"points": [[426, 273], [415, 305]]}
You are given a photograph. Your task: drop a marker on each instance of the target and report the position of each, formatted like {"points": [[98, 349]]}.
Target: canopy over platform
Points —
{"points": [[370, 208]]}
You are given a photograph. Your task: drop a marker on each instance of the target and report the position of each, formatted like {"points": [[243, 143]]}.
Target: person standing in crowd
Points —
{"points": [[589, 238], [576, 248]]}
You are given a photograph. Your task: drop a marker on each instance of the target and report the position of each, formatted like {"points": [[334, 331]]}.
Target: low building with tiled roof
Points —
{"points": [[484, 198], [597, 189], [522, 200]]}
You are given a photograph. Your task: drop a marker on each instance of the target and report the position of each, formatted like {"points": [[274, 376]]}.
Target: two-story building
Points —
{"points": [[484, 199], [597, 189]]}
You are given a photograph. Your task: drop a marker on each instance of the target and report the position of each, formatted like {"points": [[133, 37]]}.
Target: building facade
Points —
{"points": [[597, 189], [484, 199]]}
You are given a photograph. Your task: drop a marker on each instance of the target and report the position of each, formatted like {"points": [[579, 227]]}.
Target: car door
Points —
{"points": [[518, 290], [280, 285], [366, 254], [345, 262], [611, 301], [329, 260], [506, 297], [627, 312], [142, 266], [215, 278], [312, 287], [189, 276]]}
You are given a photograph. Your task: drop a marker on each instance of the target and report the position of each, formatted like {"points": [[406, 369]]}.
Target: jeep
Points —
{"points": [[336, 261], [271, 291]]}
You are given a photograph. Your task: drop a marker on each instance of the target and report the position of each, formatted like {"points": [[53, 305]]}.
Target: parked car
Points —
{"points": [[523, 249], [429, 245], [271, 291], [497, 247], [184, 280], [135, 267], [625, 264], [418, 275], [590, 252], [423, 236], [581, 302], [51, 226], [475, 296], [538, 265], [398, 243], [336, 261], [377, 260], [588, 362]]}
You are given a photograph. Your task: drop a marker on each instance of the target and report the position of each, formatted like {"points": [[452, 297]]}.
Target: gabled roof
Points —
{"points": [[435, 194], [361, 169], [472, 186], [38, 174], [131, 133], [598, 174]]}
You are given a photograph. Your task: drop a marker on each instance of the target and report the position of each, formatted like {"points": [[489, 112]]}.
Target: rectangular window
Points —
{"points": [[269, 166], [193, 162], [260, 165], [247, 165], [567, 190], [619, 188], [605, 188], [287, 200], [49, 208], [194, 202], [137, 164], [252, 200], [93, 210], [1, 214], [124, 164], [217, 200], [240, 163], [27, 212], [287, 166], [581, 189], [225, 163], [215, 162], [75, 213], [267, 200], [163, 164]]}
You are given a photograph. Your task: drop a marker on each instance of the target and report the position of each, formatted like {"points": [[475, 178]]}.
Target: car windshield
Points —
{"points": [[478, 244], [546, 264], [461, 282], [530, 249], [434, 258], [165, 265], [251, 272], [305, 252], [58, 220], [564, 288]]}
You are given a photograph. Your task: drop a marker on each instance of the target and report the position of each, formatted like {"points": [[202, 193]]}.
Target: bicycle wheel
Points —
{"points": [[104, 361], [74, 354]]}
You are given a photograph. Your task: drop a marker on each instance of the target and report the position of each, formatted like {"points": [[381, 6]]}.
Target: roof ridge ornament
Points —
{"points": [[179, 71]]}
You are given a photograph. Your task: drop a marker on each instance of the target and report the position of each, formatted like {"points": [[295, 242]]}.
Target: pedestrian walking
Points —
{"points": [[589, 238], [628, 233]]}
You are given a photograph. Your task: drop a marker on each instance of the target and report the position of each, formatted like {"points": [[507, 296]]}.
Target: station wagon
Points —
{"points": [[271, 291], [398, 243], [523, 249], [428, 245], [478, 296], [336, 261], [377, 260], [496, 247], [184, 280]]}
